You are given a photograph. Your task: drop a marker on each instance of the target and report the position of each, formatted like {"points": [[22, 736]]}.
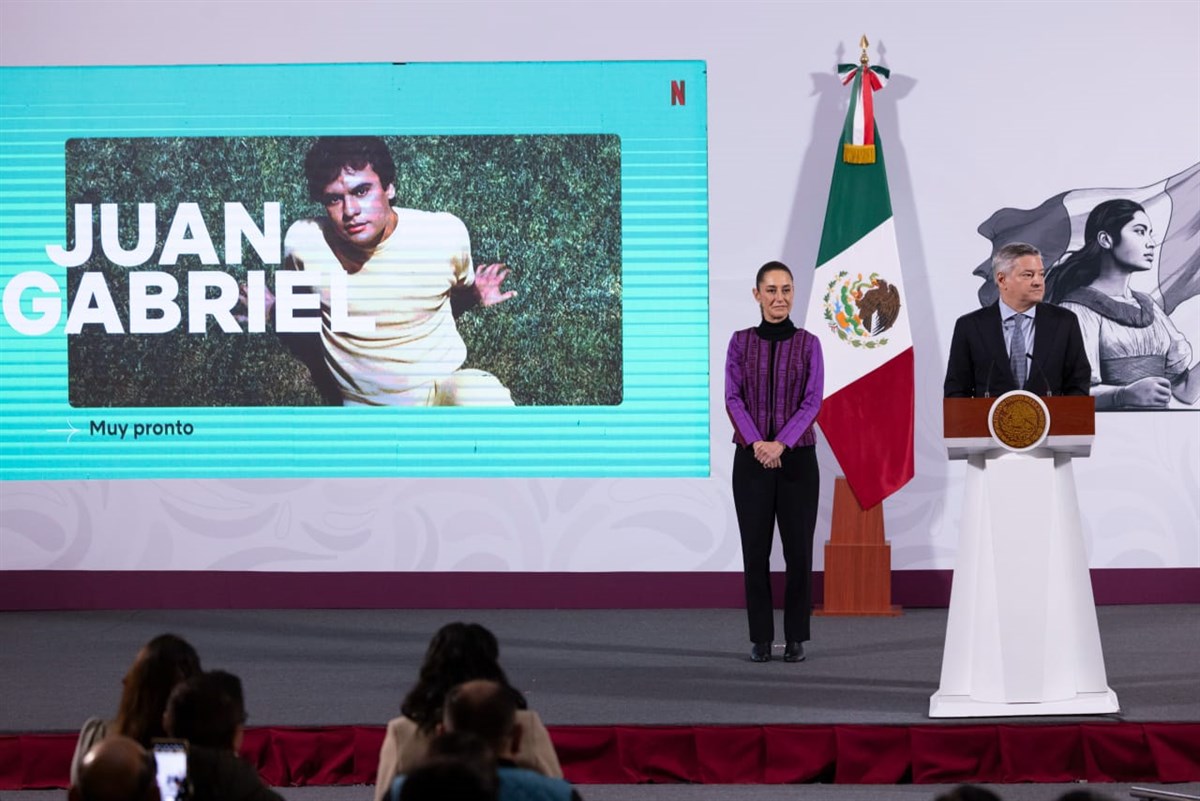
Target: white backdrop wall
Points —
{"points": [[992, 104]]}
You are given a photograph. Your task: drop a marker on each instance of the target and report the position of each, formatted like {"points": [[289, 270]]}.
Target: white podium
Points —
{"points": [[1021, 636]]}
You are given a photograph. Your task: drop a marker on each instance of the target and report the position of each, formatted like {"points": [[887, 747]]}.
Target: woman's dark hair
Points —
{"points": [[770, 267], [161, 664], [458, 653], [1083, 266]]}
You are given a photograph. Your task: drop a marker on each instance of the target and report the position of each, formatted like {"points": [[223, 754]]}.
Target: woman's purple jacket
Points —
{"points": [[786, 411]]}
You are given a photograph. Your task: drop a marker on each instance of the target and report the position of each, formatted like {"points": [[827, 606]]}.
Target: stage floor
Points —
{"points": [[579, 667]]}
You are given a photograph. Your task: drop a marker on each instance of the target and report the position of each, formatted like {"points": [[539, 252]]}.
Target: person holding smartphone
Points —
{"points": [[171, 774], [208, 712]]}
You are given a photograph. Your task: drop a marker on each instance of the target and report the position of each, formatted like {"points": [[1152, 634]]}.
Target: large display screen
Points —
{"points": [[393, 269]]}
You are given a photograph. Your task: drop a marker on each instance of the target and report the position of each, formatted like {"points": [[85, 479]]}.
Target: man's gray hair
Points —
{"points": [[1007, 256]]}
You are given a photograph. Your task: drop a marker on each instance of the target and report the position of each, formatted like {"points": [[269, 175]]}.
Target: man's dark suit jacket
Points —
{"points": [[979, 364]]}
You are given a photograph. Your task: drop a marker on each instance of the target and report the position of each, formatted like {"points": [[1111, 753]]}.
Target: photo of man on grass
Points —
{"points": [[445, 270]]}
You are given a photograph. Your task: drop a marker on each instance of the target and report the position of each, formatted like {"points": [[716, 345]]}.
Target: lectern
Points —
{"points": [[1021, 635]]}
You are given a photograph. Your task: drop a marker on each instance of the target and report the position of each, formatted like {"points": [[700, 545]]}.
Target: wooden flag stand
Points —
{"points": [[858, 560]]}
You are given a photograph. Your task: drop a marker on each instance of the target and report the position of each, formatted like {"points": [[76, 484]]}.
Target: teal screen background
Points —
{"points": [[659, 424]]}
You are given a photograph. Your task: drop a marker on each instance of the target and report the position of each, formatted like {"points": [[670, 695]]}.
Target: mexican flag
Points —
{"points": [[858, 309]]}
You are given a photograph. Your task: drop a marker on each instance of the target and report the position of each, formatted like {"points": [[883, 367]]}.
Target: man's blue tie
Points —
{"points": [[1016, 351]]}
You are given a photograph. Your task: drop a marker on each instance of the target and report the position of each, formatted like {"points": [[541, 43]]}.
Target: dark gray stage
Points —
{"points": [[576, 668]]}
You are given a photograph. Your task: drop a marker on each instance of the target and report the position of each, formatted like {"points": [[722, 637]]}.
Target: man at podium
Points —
{"points": [[1021, 633], [1018, 342]]}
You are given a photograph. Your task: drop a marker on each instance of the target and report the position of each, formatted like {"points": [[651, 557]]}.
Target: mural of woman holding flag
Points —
{"points": [[1139, 358]]}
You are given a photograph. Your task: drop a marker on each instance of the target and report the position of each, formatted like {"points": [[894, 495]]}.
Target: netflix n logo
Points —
{"points": [[677, 93]]}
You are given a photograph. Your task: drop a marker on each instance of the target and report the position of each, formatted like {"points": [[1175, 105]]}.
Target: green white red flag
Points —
{"points": [[858, 309]]}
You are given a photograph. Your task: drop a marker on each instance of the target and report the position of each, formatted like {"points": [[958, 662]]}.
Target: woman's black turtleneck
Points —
{"points": [[774, 333]]}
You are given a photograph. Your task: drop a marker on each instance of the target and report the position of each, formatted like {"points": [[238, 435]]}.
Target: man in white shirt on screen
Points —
{"points": [[398, 267]]}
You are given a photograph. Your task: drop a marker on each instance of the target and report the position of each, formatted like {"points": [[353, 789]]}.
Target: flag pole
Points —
{"points": [[858, 563]]}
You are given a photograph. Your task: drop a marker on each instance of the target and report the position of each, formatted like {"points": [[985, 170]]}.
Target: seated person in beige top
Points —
{"points": [[458, 653], [160, 664]]}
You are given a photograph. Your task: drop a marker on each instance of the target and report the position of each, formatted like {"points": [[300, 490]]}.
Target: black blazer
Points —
{"points": [[979, 367]]}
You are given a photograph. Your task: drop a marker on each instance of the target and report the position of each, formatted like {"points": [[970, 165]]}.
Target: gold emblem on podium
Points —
{"points": [[1019, 420]]}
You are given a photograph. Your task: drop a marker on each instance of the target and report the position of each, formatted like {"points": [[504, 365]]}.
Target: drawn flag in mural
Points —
{"points": [[858, 310], [1124, 261], [1056, 228]]}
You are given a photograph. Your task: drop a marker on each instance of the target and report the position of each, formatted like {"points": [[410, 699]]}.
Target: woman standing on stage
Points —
{"points": [[774, 380]]}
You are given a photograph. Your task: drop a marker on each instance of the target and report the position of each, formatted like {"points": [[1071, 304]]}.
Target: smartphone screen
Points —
{"points": [[171, 758]]}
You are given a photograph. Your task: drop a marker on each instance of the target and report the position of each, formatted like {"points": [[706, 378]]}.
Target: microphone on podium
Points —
{"points": [[1042, 374]]}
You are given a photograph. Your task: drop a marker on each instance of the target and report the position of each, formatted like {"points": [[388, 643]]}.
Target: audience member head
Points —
{"points": [[487, 710], [458, 653], [456, 766], [159, 666], [460, 745], [208, 710], [1083, 795], [968, 792], [447, 778], [116, 769]]}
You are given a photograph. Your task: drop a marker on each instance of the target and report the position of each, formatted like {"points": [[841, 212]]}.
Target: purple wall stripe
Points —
{"points": [[133, 589]]}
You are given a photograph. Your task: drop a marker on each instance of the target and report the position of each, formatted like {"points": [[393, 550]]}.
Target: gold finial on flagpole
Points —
{"points": [[863, 43]]}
